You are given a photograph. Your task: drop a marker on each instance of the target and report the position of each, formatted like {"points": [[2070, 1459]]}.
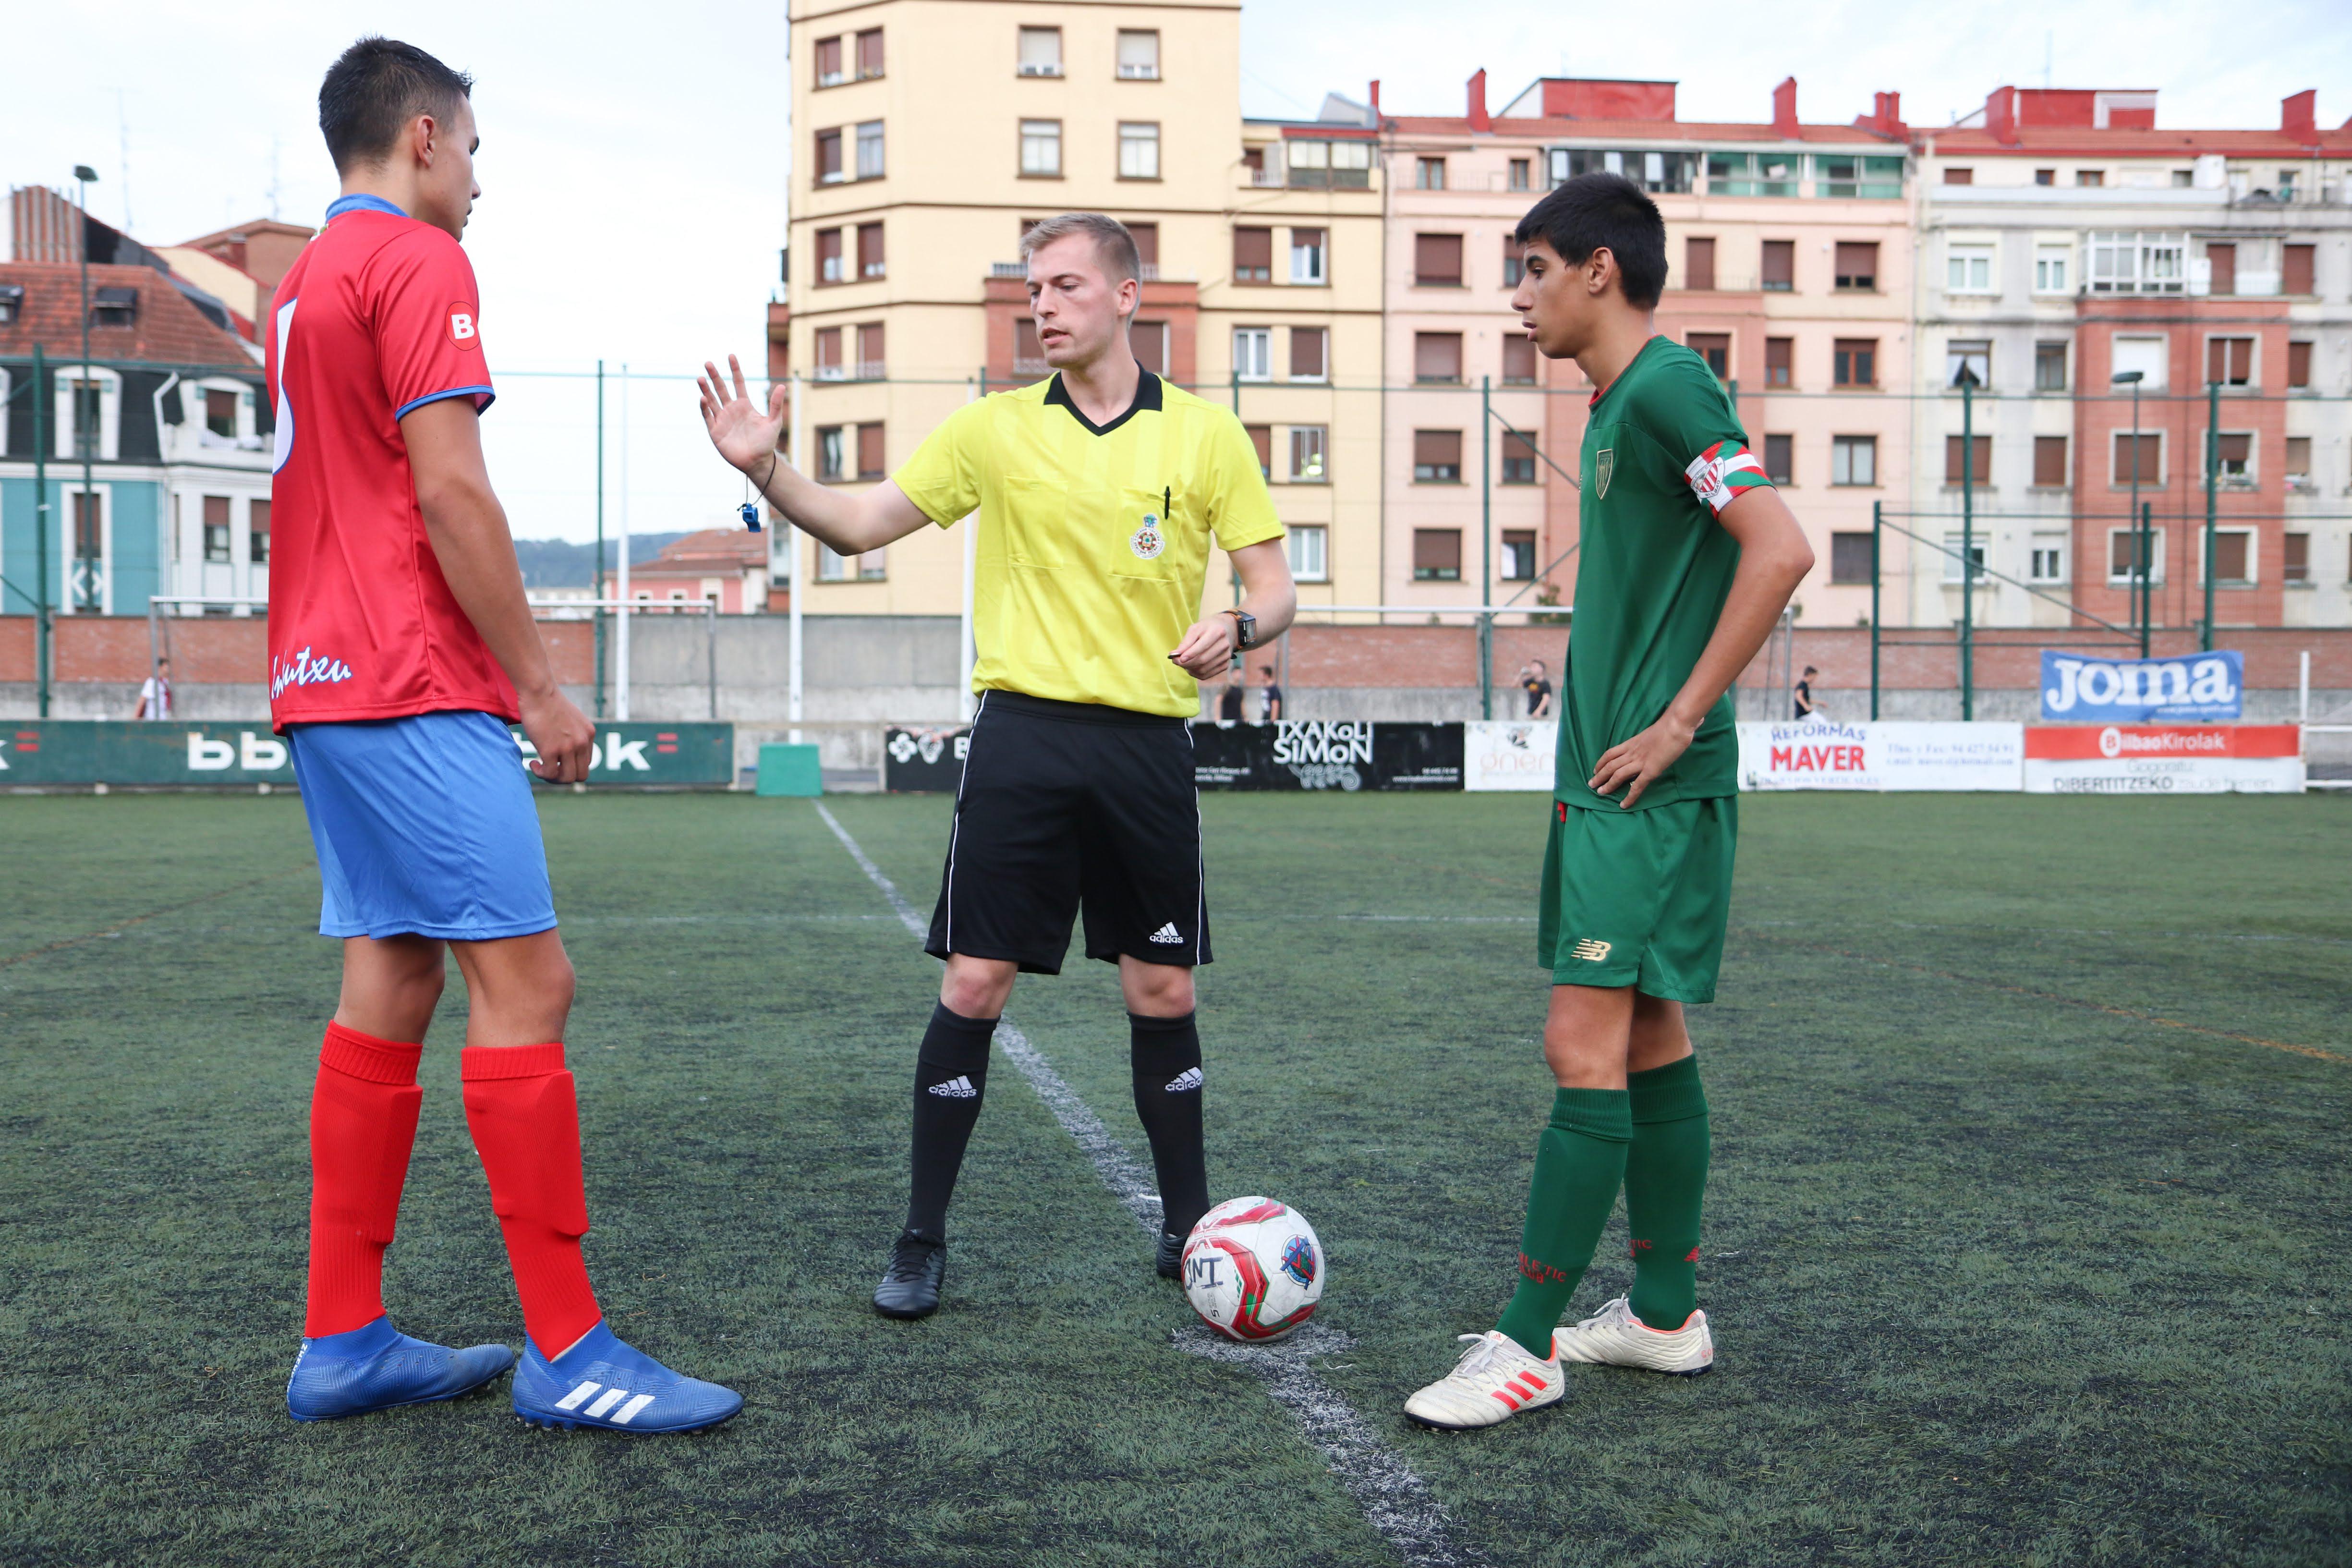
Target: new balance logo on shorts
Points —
{"points": [[1167, 934], [628, 1411], [955, 1089], [1590, 949], [1189, 1078]]}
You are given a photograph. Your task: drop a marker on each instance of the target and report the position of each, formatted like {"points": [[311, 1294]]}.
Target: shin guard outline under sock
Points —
{"points": [[363, 1110], [524, 1114], [1579, 1165], [1166, 1058], [1665, 1189], [950, 1081]]}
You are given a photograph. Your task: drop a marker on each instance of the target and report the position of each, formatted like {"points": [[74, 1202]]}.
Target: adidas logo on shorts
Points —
{"points": [[955, 1089], [1189, 1078], [1167, 934]]}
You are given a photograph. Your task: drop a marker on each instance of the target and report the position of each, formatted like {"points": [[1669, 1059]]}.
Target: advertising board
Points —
{"points": [[2164, 759], [1887, 755], [65, 752], [1344, 754], [1505, 754], [2196, 688]]}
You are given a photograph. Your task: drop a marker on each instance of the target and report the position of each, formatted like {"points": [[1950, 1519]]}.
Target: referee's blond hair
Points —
{"points": [[1114, 245]]}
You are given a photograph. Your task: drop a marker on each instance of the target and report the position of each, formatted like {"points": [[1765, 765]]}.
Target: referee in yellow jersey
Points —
{"points": [[1099, 492]]}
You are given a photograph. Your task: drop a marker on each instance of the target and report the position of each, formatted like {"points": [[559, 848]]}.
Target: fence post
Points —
{"points": [[710, 651], [2212, 472], [1968, 547], [41, 649], [1877, 527], [596, 589], [1486, 547], [2145, 596]]}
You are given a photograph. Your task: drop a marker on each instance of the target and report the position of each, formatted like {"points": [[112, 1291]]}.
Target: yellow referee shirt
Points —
{"points": [[1094, 540]]}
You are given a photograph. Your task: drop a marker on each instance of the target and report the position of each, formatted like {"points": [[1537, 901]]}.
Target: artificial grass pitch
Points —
{"points": [[2026, 1240]]}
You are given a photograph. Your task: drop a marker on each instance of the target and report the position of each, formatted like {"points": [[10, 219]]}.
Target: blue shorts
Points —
{"points": [[424, 826]]}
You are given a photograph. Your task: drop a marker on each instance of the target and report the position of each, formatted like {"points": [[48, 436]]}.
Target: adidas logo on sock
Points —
{"points": [[955, 1089], [1189, 1078], [1167, 934]]}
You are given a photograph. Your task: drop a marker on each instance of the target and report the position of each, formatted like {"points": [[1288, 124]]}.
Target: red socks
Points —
{"points": [[363, 1125], [526, 1127]]}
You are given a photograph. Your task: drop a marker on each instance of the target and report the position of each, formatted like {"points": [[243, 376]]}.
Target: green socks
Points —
{"points": [[1666, 1185], [1580, 1164]]}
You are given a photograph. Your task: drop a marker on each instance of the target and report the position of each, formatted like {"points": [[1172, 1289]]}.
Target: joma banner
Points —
{"points": [[2199, 686]]}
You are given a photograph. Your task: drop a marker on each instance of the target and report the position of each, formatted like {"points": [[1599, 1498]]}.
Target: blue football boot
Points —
{"points": [[379, 1368], [604, 1382]]}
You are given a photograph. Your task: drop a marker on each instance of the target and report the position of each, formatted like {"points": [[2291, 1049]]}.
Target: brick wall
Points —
{"points": [[222, 650]]}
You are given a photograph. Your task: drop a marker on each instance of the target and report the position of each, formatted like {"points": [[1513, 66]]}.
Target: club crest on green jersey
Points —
{"points": [[1603, 462], [1148, 541]]}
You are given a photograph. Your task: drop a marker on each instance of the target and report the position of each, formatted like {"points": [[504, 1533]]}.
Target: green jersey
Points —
{"points": [[1663, 455]]}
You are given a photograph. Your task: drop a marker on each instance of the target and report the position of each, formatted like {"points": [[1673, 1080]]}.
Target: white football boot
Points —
{"points": [[1494, 1380], [1615, 1337]]}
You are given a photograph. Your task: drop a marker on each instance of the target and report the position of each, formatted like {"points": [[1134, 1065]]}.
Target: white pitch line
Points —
{"points": [[1396, 1502]]}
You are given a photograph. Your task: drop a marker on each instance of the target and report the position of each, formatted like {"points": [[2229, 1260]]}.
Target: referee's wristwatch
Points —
{"points": [[1244, 628]]}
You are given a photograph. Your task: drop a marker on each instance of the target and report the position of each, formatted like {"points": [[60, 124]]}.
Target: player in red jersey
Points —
{"points": [[400, 648]]}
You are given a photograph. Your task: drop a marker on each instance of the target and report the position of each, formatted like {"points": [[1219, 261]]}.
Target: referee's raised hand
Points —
{"points": [[744, 435]]}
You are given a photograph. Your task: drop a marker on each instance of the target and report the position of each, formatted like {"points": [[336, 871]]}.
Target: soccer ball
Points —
{"points": [[1254, 1269]]}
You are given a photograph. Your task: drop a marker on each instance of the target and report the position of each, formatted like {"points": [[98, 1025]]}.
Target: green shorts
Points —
{"points": [[1639, 897]]}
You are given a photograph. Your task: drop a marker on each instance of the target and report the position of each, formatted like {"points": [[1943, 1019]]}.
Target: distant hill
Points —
{"points": [[562, 563]]}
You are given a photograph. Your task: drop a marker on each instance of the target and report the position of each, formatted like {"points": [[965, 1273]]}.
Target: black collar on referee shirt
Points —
{"points": [[1146, 396]]}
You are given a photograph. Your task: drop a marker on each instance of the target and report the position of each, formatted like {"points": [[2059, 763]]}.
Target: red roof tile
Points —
{"points": [[166, 329]]}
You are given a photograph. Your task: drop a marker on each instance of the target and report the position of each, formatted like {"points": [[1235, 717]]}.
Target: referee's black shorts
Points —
{"points": [[1071, 804]]}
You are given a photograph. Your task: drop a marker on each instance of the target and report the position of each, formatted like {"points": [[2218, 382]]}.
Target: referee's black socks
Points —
{"points": [[1167, 1056], [950, 1078]]}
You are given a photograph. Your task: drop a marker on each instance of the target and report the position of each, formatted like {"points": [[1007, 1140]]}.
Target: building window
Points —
{"points": [[1967, 363], [1779, 362], [1518, 361], [1437, 356], [1872, 176], [1148, 340], [1028, 354], [1253, 256], [2235, 451], [832, 568], [869, 53], [2297, 275], [828, 353], [1750, 173], [1253, 353], [1139, 149], [1976, 553], [2051, 265], [828, 63], [2229, 361], [1308, 359], [2299, 364], [1518, 459], [1437, 457], [2233, 555], [1515, 261], [114, 306], [1781, 459], [256, 530], [1857, 266], [2220, 269], [1850, 556], [2147, 448], [2050, 462], [1306, 454], [2050, 367], [2294, 558], [1040, 149], [1519, 555], [1437, 555], [2150, 356], [828, 256], [872, 460], [1853, 362], [2182, 179], [2125, 261], [1041, 51], [1146, 248], [828, 158], [1437, 260], [1716, 349], [1968, 270], [1139, 55], [1969, 459], [1306, 255], [1521, 175], [2045, 176], [2123, 555], [220, 413], [2297, 471], [1698, 263], [2090, 177], [1959, 176], [216, 546], [1310, 553], [870, 262], [1854, 460], [831, 453], [2047, 560], [1262, 438], [873, 357], [870, 150], [1338, 165], [1429, 173], [1779, 266], [12, 303], [86, 431]]}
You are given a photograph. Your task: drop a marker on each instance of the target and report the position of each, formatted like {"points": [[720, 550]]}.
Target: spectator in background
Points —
{"points": [[1806, 709], [1537, 683], [155, 693], [1269, 697], [1229, 704]]}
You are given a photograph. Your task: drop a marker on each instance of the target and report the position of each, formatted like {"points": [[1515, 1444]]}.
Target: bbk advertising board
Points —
{"points": [[2197, 687], [1887, 755], [2164, 759], [1503, 754], [68, 751]]}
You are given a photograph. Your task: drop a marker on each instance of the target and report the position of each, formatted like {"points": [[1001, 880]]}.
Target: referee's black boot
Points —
{"points": [[910, 1286], [1170, 1259]]}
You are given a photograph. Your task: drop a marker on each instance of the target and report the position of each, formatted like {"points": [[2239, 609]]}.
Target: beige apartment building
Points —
{"points": [[1790, 253], [927, 133]]}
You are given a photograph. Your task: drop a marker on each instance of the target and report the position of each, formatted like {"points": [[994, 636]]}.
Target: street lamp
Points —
{"points": [[85, 513], [2132, 378]]}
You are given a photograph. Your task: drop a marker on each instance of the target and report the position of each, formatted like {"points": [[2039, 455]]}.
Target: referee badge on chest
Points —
{"points": [[1603, 462], [1149, 541]]}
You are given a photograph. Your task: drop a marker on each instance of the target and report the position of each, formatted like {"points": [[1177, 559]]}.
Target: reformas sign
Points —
{"points": [[2203, 685]]}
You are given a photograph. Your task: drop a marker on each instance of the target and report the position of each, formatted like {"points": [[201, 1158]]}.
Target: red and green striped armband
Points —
{"points": [[1723, 473]]}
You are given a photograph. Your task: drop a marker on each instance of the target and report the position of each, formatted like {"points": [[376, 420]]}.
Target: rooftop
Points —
{"points": [[164, 327]]}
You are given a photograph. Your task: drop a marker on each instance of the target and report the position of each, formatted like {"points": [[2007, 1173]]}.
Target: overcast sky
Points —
{"points": [[633, 156]]}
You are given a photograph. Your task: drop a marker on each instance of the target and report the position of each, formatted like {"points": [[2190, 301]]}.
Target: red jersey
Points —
{"points": [[378, 316]]}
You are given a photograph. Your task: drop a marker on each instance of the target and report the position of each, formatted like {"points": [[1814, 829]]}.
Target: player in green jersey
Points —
{"points": [[1687, 556]]}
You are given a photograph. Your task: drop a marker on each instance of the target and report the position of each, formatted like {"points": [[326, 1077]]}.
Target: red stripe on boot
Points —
{"points": [[363, 1125], [525, 1118]]}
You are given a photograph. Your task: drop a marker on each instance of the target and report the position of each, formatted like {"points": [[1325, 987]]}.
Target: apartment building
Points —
{"points": [[2067, 239], [929, 133], [1789, 257]]}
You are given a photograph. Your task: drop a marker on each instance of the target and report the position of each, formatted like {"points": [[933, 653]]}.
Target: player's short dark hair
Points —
{"points": [[1265, 669], [1581, 216], [1811, 670], [376, 88], [1114, 245]]}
